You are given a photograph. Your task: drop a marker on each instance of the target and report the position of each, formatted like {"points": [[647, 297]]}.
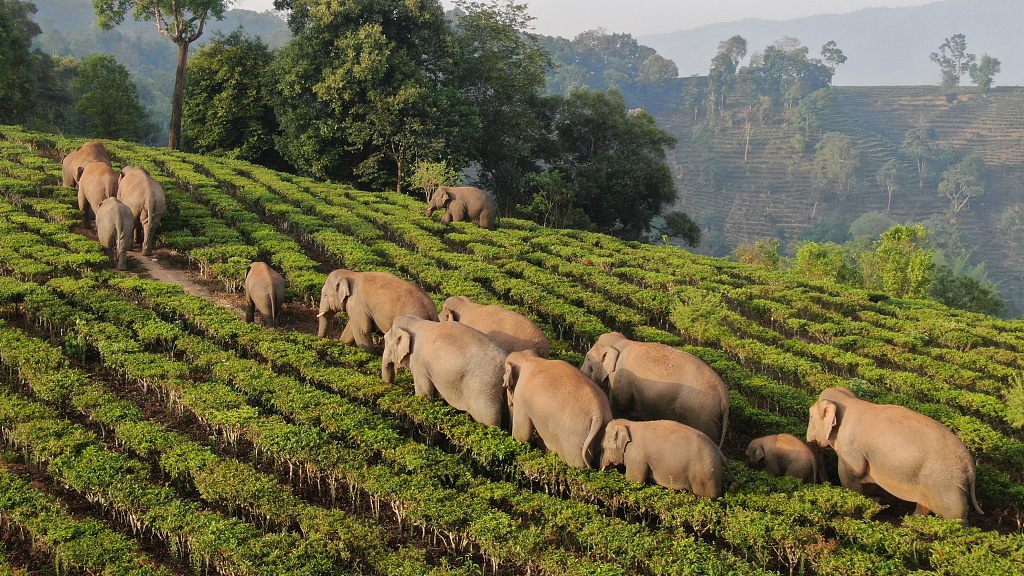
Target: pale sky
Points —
{"points": [[568, 18]]}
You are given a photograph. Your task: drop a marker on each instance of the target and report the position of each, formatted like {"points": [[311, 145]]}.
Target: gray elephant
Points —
{"points": [[651, 381], [786, 455], [372, 301], [553, 398], [114, 223], [465, 366], [97, 181], [464, 203], [264, 291], [88, 152], [674, 455], [512, 330], [910, 455], [145, 196]]}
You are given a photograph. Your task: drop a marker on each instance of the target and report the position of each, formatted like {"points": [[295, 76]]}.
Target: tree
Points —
{"points": [[871, 225], [888, 176], [182, 21], [825, 262], [735, 48], [678, 224], [227, 108], [963, 182], [833, 56], [364, 89], [814, 109], [108, 100], [919, 145], [764, 253], [953, 60], [427, 176], [983, 72], [900, 263], [616, 160], [501, 70], [964, 292], [836, 160], [554, 203], [18, 82]]}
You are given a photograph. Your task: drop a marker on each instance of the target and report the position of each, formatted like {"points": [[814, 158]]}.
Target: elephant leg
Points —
{"points": [[922, 510], [851, 475], [637, 471], [488, 415], [250, 308], [447, 218], [522, 427], [269, 320]]}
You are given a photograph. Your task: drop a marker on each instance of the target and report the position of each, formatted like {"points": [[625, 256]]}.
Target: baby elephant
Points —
{"points": [[463, 364], [674, 455], [264, 291], [114, 229], [786, 455]]}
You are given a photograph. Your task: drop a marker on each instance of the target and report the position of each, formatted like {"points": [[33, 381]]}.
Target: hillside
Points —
{"points": [[885, 46], [207, 442], [771, 195]]}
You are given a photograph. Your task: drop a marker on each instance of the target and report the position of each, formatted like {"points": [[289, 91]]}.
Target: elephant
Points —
{"points": [[145, 196], [786, 455], [465, 366], [674, 455], [88, 152], [97, 181], [512, 330], [372, 301], [565, 407], [913, 457], [651, 381], [114, 223], [264, 291], [463, 203]]}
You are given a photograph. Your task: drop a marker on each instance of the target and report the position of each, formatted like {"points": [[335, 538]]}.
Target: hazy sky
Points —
{"points": [[638, 17]]}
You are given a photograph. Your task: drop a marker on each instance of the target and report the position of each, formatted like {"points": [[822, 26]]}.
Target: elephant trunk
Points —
{"points": [[324, 318], [387, 371]]}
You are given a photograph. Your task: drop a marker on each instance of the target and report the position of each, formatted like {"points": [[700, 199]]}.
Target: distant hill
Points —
{"points": [[885, 46]]}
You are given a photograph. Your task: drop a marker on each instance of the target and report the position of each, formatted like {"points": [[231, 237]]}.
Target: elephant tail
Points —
{"points": [[597, 424], [725, 423], [974, 497]]}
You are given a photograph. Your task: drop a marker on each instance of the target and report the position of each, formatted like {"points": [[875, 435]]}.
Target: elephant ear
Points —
{"points": [[621, 437], [403, 344], [451, 315], [755, 453], [609, 360], [828, 420], [78, 176], [443, 196], [344, 290]]}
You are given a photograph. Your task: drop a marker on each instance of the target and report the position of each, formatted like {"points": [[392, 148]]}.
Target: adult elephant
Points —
{"points": [[145, 196], [465, 366], [88, 152], [97, 181], [674, 455], [372, 301], [114, 230], [462, 203], [511, 330], [561, 404], [264, 291], [910, 455], [651, 381]]}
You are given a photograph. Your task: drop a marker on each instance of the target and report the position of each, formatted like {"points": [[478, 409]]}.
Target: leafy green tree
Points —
{"points": [[900, 263], [836, 160], [983, 73], [833, 56], [870, 224], [965, 292], [501, 70], [888, 176], [953, 60], [678, 224], [427, 176], [814, 109], [227, 105], [963, 181], [108, 100], [825, 262], [920, 146], [364, 89], [764, 253], [554, 203], [616, 160], [181, 21], [735, 48], [18, 81]]}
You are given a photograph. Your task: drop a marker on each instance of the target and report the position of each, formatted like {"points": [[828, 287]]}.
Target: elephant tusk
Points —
{"points": [[321, 315]]}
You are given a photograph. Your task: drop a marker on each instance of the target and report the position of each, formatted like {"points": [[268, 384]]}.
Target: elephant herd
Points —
{"points": [[127, 205], [660, 412]]}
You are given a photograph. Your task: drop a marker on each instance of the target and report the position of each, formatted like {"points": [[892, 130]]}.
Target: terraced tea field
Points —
{"points": [[148, 430]]}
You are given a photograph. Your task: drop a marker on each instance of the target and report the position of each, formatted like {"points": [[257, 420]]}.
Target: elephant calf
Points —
{"points": [[464, 365], [464, 203], [786, 455], [552, 397], [911, 456], [512, 330], [674, 455], [264, 291], [114, 223]]}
